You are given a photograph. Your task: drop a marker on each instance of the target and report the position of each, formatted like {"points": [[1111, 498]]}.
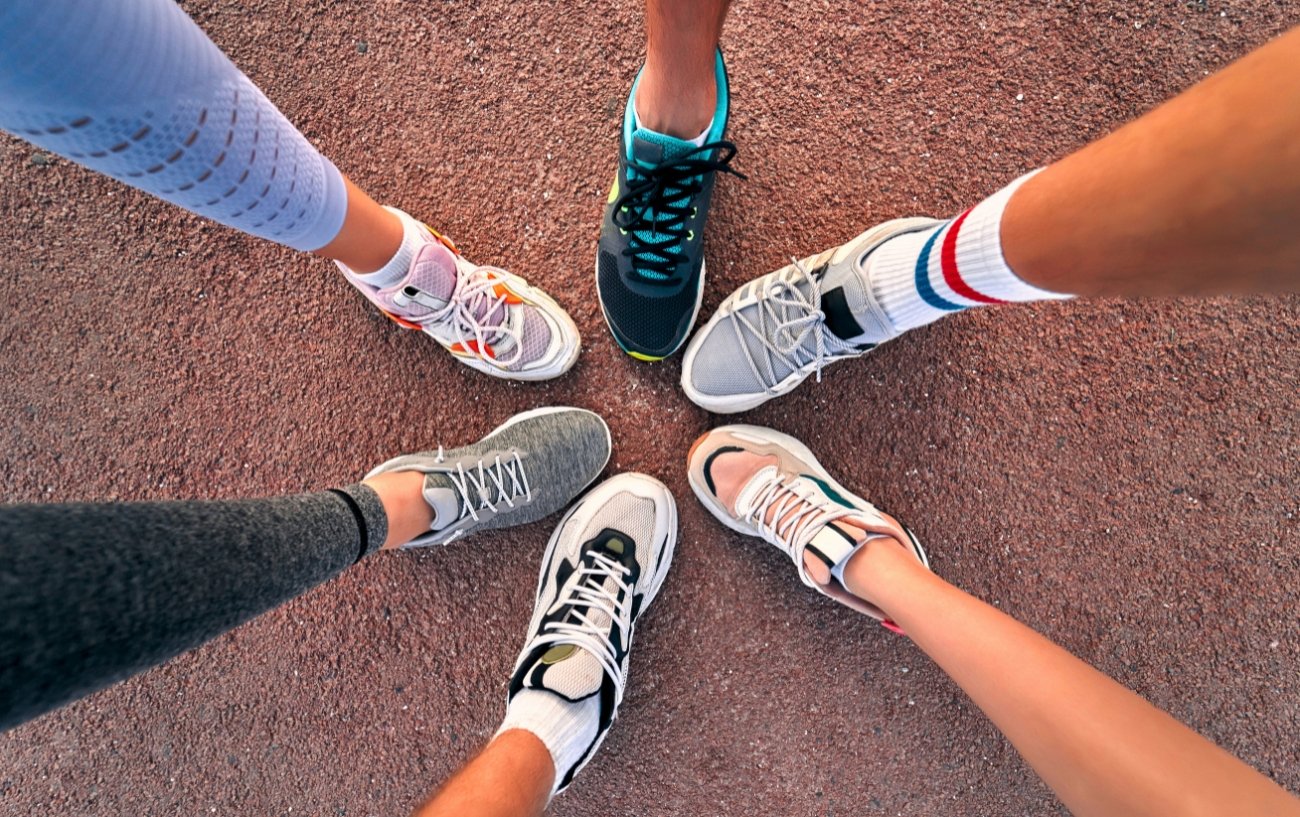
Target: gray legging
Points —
{"points": [[92, 594]]}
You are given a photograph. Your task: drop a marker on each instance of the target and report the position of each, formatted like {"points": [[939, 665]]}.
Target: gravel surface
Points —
{"points": [[1121, 476]]}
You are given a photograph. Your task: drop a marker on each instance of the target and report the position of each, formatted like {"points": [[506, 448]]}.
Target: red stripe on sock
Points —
{"points": [[948, 263]]}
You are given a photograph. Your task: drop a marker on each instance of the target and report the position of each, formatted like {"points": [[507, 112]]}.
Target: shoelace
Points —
{"points": [[473, 302], [498, 474], [658, 202], [806, 515], [588, 597], [786, 318]]}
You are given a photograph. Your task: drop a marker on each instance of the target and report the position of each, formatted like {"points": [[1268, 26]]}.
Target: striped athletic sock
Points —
{"points": [[920, 277]]}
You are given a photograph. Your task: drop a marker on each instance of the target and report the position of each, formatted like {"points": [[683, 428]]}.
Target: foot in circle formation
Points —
{"points": [[602, 568], [769, 335], [489, 319], [650, 257], [526, 469], [767, 484]]}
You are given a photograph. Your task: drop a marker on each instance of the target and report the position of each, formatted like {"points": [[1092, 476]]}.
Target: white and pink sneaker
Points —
{"points": [[489, 319]]}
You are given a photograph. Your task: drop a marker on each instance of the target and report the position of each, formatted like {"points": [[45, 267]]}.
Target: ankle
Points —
{"points": [[682, 109], [402, 495], [881, 572]]}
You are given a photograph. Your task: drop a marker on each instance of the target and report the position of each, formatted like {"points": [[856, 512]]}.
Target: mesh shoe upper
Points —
{"points": [[650, 262], [777, 329], [604, 565], [524, 470]]}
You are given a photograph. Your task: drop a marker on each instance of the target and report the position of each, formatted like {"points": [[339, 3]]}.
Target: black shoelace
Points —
{"points": [[658, 204]]}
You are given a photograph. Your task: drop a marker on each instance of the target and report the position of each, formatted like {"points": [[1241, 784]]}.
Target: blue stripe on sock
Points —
{"points": [[923, 277]]}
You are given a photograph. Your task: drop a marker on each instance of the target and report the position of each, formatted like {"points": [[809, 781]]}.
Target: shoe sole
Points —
{"points": [[776, 438], [695, 314], [729, 404]]}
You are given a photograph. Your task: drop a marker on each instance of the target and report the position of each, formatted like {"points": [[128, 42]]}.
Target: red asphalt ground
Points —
{"points": [[1120, 476]]}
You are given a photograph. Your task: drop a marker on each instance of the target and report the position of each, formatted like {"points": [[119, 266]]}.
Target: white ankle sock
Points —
{"points": [[414, 235], [920, 277], [565, 727]]}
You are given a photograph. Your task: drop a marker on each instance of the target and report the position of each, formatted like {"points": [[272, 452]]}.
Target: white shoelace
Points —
{"points": [[807, 514], [791, 316], [473, 296], [589, 596], [508, 476]]}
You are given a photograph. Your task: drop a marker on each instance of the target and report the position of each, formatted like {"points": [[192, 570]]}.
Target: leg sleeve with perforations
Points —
{"points": [[135, 90]]}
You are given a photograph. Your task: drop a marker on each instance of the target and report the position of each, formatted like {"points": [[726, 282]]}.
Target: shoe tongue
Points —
{"points": [[650, 148], [567, 670], [749, 494], [428, 284], [444, 499]]}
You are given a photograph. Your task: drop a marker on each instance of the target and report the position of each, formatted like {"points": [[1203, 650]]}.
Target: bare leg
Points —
{"points": [[1102, 749], [370, 234], [678, 93], [511, 777], [401, 493], [1198, 197]]}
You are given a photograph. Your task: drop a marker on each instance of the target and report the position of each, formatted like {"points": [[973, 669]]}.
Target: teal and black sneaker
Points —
{"points": [[650, 259]]}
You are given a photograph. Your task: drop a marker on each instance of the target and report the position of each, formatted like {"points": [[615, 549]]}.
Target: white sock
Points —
{"points": [[414, 235], [963, 267], [566, 728], [697, 141]]}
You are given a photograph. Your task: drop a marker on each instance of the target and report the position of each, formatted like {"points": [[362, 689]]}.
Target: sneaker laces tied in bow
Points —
{"points": [[476, 300], [786, 319]]}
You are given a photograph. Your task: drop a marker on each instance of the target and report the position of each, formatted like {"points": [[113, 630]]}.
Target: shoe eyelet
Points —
{"points": [[690, 235], [694, 212], [622, 231]]}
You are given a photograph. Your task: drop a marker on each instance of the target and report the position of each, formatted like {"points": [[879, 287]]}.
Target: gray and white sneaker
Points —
{"points": [[769, 335], [526, 469], [603, 567]]}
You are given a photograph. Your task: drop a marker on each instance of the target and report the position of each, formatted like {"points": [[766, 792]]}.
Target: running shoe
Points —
{"points": [[650, 257], [489, 319], [778, 492], [526, 469], [769, 335], [603, 567]]}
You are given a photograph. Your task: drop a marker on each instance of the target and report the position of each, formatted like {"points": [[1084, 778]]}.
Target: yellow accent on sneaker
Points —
{"points": [[613, 191]]}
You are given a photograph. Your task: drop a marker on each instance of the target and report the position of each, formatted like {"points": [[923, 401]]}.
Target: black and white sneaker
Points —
{"points": [[603, 567]]}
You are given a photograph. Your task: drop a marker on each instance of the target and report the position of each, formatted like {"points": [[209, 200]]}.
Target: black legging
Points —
{"points": [[94, 593]]}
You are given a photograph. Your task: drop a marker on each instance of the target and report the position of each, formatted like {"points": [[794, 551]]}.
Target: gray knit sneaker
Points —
{"points": [[526, 469], [768, 336]]}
